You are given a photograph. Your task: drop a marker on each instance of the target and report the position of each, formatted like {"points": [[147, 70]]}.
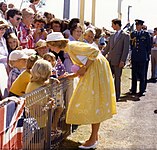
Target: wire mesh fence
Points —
{"points": [[44, 126]]}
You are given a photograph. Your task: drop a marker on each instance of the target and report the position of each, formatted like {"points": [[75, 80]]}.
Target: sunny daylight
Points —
{"points": [[78, 74]]}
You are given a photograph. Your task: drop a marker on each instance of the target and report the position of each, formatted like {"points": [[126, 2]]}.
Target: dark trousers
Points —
{"points": [[117, 72], [146, 70], [138, 72]]}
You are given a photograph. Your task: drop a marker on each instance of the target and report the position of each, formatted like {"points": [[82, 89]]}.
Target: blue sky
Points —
{"points": [[106, 10]]}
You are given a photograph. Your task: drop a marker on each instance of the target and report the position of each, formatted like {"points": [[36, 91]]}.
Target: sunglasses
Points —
{"points": [[3, 28], [18, 19]]}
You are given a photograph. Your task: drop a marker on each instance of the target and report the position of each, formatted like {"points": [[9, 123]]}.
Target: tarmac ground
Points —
{"points": [[134, 127]]}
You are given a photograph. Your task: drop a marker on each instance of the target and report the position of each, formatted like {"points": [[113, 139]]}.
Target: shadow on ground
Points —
{"points": [[127, 97], [69, 145]]}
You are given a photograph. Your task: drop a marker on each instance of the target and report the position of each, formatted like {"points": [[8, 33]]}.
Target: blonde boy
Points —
{"points": [[17, 60]]}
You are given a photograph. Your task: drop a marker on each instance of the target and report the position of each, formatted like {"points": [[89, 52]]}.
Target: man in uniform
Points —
{"points": [[140, 45]]}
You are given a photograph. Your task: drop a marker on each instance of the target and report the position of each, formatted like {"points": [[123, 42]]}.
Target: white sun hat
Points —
{"points": [[17, 54], [55, 36]]}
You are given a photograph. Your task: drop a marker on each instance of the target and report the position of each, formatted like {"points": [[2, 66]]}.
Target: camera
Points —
{"points": [[42, 29]]}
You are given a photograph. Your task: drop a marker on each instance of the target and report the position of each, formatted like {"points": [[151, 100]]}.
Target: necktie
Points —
{"points": [[115, 36], [138, 33], [15, 31]]}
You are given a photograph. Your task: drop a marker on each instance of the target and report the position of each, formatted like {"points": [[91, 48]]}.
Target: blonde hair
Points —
{"points": [[49, 55], [27, 12], [11, 63], [41, 71], [41, 43], [91, 30], [60, 44]]}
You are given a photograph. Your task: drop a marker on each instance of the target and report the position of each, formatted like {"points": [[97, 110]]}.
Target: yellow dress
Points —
{"points": [[93, 100]]}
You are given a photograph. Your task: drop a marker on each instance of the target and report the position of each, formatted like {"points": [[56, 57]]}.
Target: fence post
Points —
{"points": [[49, 129]]}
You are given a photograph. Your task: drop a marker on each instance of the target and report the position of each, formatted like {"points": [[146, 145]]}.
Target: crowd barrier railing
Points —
{"points": [[26, 122], [37, 133]]}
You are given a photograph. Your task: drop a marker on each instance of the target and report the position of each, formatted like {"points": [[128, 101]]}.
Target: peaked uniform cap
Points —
{"points": [[137, 21]]}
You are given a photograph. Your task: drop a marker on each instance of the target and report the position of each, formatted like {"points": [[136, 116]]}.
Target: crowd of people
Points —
{"points": [[35, 46]]}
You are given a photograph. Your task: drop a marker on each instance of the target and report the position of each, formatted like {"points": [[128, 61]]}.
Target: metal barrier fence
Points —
{"points": [[40, 119]]}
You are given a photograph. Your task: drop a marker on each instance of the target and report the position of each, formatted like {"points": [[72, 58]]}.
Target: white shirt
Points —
{"points": [[3, 51], [154, 42]]}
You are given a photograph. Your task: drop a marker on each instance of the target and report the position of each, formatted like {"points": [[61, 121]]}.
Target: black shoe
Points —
{"points": [[132, 93], [118, 100], [155, 111], [74, 127], [140, 94], [151, 80]]}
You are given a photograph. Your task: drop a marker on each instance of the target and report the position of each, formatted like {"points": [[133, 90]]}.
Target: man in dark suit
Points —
{"points": [[140, 46], [14, 17], [117, 50]]}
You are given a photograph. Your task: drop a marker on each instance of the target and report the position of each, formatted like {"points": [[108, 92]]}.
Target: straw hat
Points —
{"points": [[3, 23], [40, 44], [55, 36]]}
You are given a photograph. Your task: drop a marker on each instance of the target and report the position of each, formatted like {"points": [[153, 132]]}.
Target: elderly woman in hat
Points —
{"points": [[93, 100], [41, 48], [3, 47]]}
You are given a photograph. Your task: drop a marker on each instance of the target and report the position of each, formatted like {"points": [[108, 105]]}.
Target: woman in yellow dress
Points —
{"points": [[93, 100]]}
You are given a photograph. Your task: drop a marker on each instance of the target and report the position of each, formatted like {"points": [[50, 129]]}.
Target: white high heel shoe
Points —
{"points": [[89, 147]]}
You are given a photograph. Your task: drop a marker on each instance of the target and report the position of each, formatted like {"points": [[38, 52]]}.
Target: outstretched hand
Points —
{"points": [[81, 71]]}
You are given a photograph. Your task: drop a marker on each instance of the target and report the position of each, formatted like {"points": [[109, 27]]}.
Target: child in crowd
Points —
{"points": [[17, 60], [12, 42], [41, 48], [40, 73], [89, 35], [19, 85], [58, 71]]}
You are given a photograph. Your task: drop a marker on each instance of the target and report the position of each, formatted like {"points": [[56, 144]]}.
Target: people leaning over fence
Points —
{"points": [[89, 96], [95, 79], [40, 73], [17, 60], [59, 73], [18, 87]]}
